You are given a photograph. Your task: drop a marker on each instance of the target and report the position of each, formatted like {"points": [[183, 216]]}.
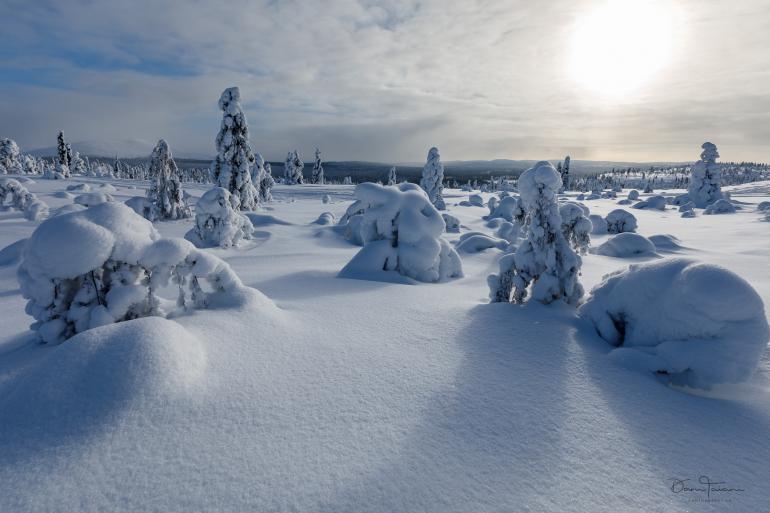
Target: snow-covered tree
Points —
{"points": [[292, 169], [16, 196], [318, 169], [217, 222], [165, 193], [9, 157], [231, 167], [564, 171], [576, 226], [63, 150], [348, 180], [705, 183], [400, 231], [620, 221], [433, 178], [257, 170], [266, 184], [544, 259], [77, 166], [106, 264], [392, 179]]}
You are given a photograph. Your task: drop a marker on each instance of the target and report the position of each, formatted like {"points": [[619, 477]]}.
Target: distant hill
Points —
{"points": [[125, 149]]}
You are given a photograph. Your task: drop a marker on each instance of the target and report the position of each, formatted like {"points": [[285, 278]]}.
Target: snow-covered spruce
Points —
{"points": [[318, 169], [292, 169], [266, 185], [544, 260], [705, 182], [575, 226], [432, 181], [231, 167], [78, 165], [392, 178], [689, 334], [620, 221], [105, 265], [401, 231], [565, 178], [16, 196], [217, 222], [63, 150], [10, 157], [165, 193]]}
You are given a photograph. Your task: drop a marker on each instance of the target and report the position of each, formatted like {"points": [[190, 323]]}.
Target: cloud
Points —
{"points": [[376, 80]]}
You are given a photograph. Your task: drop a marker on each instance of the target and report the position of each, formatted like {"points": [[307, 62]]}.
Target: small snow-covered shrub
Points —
{"points": [[400, 230], [544, 261], [452, 223], [696, 324], [16, 196], [705, 182], [627, 245], [598, 224], [476, 200], [475, 242], [653, 202], [106, 264], [688, 213], [576, 226], [90, 199], [619, 221], [218, 222], [720, 206], [433, 179], [508, 208]]}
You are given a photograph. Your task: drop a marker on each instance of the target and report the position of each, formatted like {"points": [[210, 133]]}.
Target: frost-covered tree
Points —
{"points": [[217, 222], [63, 150], [231, 167], [266, 184], [564, 172], [165, 194], [9, 157], [77, 166], [400, 231], [292, 169], [705, 183], [318, 169], [257, 170], [16, 196], [544, 259], [392, 179], [576, 226], [432, 181]]}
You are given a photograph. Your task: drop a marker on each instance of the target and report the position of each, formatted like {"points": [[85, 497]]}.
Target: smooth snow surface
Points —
{"points": [[350, 396]]}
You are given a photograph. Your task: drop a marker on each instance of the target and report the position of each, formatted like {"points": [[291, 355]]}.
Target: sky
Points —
{"points": [[626, 80]]}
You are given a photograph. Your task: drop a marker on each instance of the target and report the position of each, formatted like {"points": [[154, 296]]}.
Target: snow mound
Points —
{"points": [[696, 324], [148, 361], [764, 206], [265, 220], [63, 195], [666, 242], [598, 224], [80, 187], [11, 254], [218, 221], [653, 202], [627, 245], [452, 223], [620, 221], [107, 188], [400, 230], [508, 208], [66, 209], [476, 200], [633, 195], [90, 199], [475, 242], [720, 206], [139, 204], [326, 218]]}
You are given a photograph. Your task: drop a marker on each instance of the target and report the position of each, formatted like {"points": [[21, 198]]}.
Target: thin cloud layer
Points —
{"points": [[378, 81]]}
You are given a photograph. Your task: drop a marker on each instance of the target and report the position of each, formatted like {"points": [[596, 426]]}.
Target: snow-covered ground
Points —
{"points": [[350, 396]]}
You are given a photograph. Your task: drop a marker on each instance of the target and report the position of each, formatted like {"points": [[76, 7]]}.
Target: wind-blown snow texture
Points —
{"points": [[354, 395]]}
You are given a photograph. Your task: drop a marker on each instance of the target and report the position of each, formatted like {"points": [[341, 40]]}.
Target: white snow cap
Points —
{"points": [[698, 324]]}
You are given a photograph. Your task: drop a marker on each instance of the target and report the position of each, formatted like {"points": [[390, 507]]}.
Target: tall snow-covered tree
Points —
{"points": [[9, 157], [266, 184], [257, 170], [544, 259], [63, 150], [433, 178], [318, 169], [292, 170], [565, 174], [165, 194], [392, 179], [231, 167], [706, 181]]}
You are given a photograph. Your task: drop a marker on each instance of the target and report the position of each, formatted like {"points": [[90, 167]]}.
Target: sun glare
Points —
{"points": [[620, 47]]}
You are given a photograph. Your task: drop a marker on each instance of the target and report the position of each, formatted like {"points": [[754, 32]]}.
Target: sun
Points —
{"points": [[622, 45]]}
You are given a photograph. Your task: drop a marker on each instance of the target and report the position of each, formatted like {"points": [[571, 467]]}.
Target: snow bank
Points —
{"points": [[218, 222], [619, 221], [16, 196], [627, 245], [400, 230], [106, 264], [697, 324]]}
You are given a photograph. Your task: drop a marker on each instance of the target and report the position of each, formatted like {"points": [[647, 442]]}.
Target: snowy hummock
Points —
{"points": [[627, 245], [698, 324], [401, 232], [620, 221]]}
